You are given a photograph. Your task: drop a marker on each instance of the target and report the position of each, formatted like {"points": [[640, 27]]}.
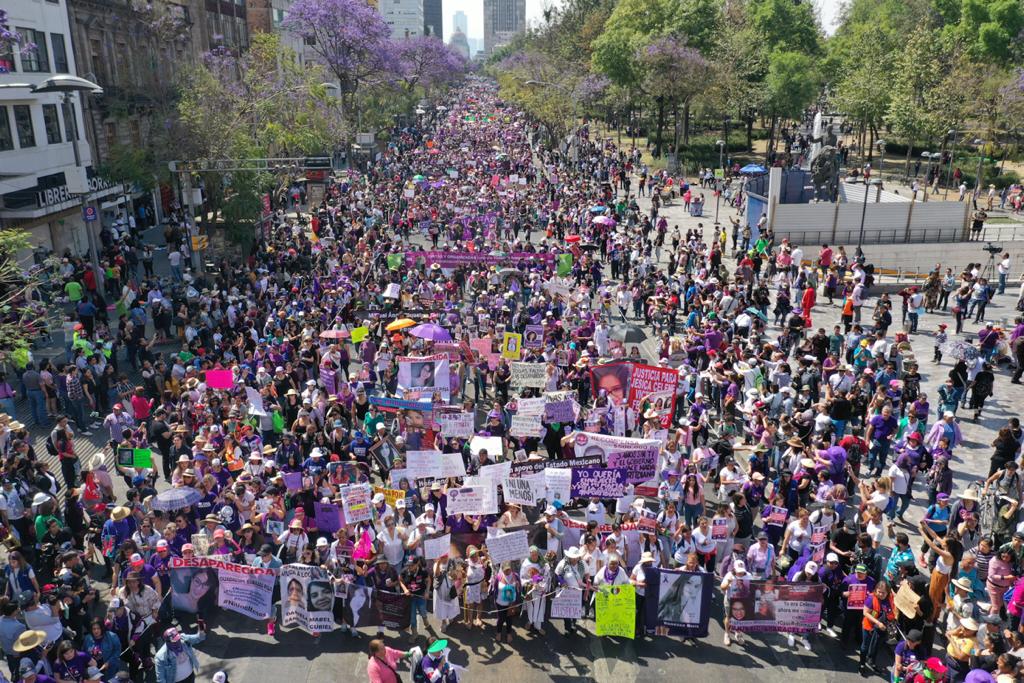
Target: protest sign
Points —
{"points": [[360, 609], [494, 445], [359, 334], [719, 529], [142, 458], [193, 588], [530, 406], [559, 287], [589, 443], [819, 539], [560, 411], [528, 375], [434, 548], [567, 603], [658, 386], [329, 378], [518, 491], [255, 401], [356, 502], [423, 464], [776, 515], [424, 375], [468, 500], [328, 517], [677, 602], [533, 337], [307, 599], [906, 600], [220, 379], [395, 609], [293, 481], [593, 482], [452, 465], [616, 611], [564, 265], [640, 465], [201, 544], [526, 426], [508, 547], [455, 424], [391, 496], [613, 379], [858, 596], [512, 346], [240, 588], [495, 473], [776, 607], [558, 483]]}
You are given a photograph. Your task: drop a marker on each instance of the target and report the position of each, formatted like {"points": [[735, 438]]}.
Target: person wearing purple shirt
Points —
{"points": [[1017, 331], [880, 433], [712, 339], [71, 664]]}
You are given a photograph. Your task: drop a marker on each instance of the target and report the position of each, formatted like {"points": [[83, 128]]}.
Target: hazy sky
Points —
{"points": [[829, 10]]}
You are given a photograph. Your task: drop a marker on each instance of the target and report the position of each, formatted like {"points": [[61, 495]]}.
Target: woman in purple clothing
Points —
{"points": [[70, 665]]}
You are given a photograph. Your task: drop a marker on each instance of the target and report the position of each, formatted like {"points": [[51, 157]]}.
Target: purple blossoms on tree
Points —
{"points": [[426, 62]]}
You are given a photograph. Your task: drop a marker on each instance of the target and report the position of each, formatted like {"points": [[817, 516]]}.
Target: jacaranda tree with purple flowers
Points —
{"points": [[426, 62], [673, 73], [350, 37]]}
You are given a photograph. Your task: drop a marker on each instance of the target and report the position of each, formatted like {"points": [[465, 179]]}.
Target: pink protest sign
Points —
{"points": [[220, 379]]}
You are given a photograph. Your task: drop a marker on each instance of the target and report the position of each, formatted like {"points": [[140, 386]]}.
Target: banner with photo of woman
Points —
{"points": [[193, 588], [678, 603], [776, 607], [239, 588], [307, 599], [612, 379], [425, 375]]}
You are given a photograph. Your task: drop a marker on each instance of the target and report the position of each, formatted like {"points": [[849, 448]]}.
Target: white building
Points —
{"points": [[405, 17], [39, 180]]}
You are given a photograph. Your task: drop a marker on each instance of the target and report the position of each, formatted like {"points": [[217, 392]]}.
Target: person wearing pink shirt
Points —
{"points": [[382, 666]]}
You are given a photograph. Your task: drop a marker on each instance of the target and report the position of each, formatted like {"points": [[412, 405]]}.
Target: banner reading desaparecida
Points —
{"points": [[777, 607], [240, 588], [307, 599], [677, 602], [425, 375]]}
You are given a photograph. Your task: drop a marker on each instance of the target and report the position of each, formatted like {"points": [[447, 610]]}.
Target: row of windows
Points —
{"points": [[24, 127], [35, 59]]}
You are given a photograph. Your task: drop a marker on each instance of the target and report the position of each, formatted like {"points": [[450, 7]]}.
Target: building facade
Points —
{"points": [[459, 43], [433, 18], [267, 16], [503, 19], [405, 17], [41, 182]]}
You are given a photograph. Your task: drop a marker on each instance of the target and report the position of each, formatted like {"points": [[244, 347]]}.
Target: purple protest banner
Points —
{"points": [[329, 377], [559, 411], [453, 259], [328, 517], [640, 465], [598, 482], [533, 337], [293, 481]]}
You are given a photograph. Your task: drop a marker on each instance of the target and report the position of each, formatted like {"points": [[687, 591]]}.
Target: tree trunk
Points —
{"points": [[771, 140], [871, 143], [906, 169], [750, 133], [661, 126], [686, 123], [675, 137]]}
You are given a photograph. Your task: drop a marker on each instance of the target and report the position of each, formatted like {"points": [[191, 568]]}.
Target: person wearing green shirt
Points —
{"points": [[43, 521], [74, 291]]}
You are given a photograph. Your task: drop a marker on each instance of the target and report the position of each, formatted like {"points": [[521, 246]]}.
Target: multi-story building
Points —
{"points": [[433, 18], [405, 17], [459, 43], [267, 16], [503, 19], [460, 22], [40, 182]]}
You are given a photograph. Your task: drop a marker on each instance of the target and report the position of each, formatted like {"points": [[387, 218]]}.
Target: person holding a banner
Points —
{"points": [[507, 591], [178, 655]]}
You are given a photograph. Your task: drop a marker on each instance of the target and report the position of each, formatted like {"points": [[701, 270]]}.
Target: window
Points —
{"points": [[6, 139], [7, 65], [60, 53], [278, 17], [70, 121], [35, 59], [23, 122], [52, 123]]}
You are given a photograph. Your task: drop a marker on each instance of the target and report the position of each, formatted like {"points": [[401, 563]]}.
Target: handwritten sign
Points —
{"points": [[328, 517], [528, 375], [452, 465], [356, 500], [616, 612], [423, 464], [640, 465], [567, 604], [560, 411], [518, 491], [592, 482], [391, 496], [468, 500], [526, 426], [508, 547], [455, 425], [530, 406], [434, 548]]}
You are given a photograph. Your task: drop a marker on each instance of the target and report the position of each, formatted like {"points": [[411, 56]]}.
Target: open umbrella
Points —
{"points": [[572, 239], [400, 324], [432, 332], [598, 209], [605, 220], [176, 499], [418, 177], [589, 247], [960, 350], [627, 333], [335, 334], [753, 169], [755, 312]]}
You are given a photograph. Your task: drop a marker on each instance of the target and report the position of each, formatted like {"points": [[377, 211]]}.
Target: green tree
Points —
{"points": [[792, 84], [786, 25]]}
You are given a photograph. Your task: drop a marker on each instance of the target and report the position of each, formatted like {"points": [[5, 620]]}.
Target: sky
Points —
{"points": [[829, 10]]}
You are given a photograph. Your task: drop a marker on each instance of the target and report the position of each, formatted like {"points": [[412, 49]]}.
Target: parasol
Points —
{"points": [[598, 209], [589, 247], [753, 169], [335, 334], [176, 499], [572, 239], [400, 324], [604, 220], [432, 332], [960, 350], [627, 333], [755, 312], [418, 178]]}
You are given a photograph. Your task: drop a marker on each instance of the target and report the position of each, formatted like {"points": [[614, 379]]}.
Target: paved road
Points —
{"points": [[242, 648]]}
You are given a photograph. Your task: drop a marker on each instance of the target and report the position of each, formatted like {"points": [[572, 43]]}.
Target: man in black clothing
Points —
{"points": [[160, 433]]}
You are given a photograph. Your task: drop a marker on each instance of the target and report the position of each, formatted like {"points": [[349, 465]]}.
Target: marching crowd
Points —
{"points": [[778, 430]]}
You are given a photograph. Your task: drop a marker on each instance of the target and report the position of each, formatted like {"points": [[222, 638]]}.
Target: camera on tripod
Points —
{"points": [[992, 248]]}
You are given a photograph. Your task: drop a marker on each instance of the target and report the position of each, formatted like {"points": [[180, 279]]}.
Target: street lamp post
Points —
{"points": [[871, 184], [981, 157], [949, 169], [880, 144], [718, 187]]}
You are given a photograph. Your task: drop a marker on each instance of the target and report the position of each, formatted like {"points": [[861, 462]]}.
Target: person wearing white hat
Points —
{"points": [[569, 574], [555, 529], [736, 587], [638, 577]]}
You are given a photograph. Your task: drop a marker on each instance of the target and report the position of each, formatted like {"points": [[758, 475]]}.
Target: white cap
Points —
{"points": [[739, 567], [831, 557], [811, 567], [219, 677]]}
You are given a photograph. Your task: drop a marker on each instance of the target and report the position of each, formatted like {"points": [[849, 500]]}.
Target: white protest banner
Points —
{"points": [[527, 426], [530, 406], [494, 445], [558, 482], [424, 374], [529, 375], [508, 547], [589, 443], [452, 465], [240, 588], [469, 500], [307, 599], [496, 473], [423, 464], [567, 604], [518, 490], [434, 548], [395, 476], [357, 500], [252, 396], [455, 424]]}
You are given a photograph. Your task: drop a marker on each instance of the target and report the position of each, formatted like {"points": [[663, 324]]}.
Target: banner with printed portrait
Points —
{"points": [[425, 375], [774, 606], [612, 379], [240, 588], [194, 587], [678, 603], [658, 386], [307, 599]]}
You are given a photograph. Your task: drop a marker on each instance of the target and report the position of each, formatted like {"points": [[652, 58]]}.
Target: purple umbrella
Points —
{"points": [[432, 332]]}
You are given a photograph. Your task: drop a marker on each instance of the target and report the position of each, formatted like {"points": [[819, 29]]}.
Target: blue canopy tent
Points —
{"points": [[753, 169]]}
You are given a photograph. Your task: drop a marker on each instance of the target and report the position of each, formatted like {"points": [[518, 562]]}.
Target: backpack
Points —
{"points": [[50, 447]]}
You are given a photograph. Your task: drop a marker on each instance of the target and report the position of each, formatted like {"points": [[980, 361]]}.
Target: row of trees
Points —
{"points": [[913, 68]]}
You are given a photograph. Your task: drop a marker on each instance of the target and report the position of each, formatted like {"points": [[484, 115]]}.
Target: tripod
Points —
{"points": [[988, 271]]}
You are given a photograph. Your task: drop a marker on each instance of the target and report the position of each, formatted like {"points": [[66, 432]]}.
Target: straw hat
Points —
{"points": [[969, 494], [29, 640], [119, 513]]}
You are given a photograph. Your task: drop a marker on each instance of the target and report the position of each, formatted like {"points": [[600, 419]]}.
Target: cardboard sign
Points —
{"points": [[391, 496], [603, 483], [468, 500], [567, 603], [530, 406], [357, 502], [452, 465], [456, 425], [528, 375], [508, 547], [560, 411], [434, 548], [526, 426], [512, 346], [423, 464]]}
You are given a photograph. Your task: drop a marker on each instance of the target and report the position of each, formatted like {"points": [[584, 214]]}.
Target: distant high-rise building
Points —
{"points": [[461, 21], [503, 19], [405, 17], [433, 18], [459, 43]]}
